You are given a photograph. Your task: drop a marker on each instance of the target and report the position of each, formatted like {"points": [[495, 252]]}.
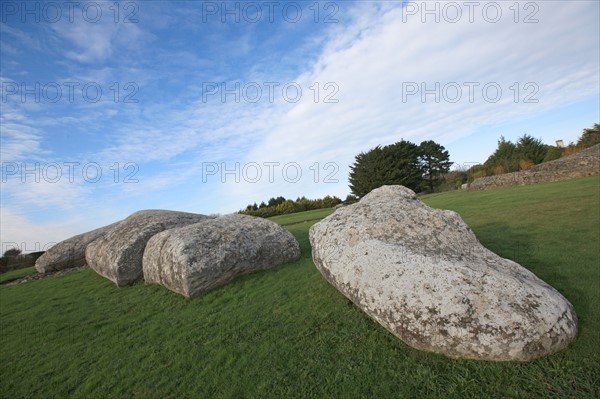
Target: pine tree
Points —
{"points": [[393, 164], [435, 161], [531, 149]]}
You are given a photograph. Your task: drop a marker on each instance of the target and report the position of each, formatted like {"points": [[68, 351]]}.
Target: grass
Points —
{"points": [[302, 217], [287, 333], [16, 274]]}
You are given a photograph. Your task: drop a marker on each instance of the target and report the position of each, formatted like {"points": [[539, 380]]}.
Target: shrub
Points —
{"points": [[589, 137], [525, 164], [572, 149], [553, 153]]}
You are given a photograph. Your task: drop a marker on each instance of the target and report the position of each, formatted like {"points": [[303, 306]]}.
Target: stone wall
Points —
{"points": [[584, 163]]}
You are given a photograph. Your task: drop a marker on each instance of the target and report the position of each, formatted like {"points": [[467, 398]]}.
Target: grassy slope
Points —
{"points": [[302, 217], [16, 274], [287, 333]]}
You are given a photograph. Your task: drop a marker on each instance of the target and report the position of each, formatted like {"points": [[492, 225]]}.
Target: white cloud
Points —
{"points": [[19, 141], [24, 38], [46, 186], [18, 138], [98, 41], [372, 59], [369, 60]]}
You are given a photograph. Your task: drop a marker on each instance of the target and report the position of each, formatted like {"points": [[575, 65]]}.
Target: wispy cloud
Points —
{"points": [[26, 41], [363, 63], [20, 141], [372, 62], [95, 42]]}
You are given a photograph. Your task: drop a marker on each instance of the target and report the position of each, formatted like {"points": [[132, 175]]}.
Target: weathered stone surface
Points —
{"points": [[422, 274], [69, 253], [581, 164], [194, 259], [118, 254]]}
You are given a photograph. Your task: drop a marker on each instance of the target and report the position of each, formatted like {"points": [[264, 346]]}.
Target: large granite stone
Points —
{"points": [[423, 275], [118, 254], [196, 258], [69, 253]]}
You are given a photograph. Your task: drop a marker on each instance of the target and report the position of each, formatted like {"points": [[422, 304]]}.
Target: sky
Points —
{"points": [[112, 107]]}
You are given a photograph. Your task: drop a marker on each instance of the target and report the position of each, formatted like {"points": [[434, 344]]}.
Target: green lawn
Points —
{"points": [[16, 274], [302, 217], [287, 333]]}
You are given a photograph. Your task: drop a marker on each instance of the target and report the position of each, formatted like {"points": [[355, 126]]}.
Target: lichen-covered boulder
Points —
{"points": [[118, 254], [69, 253], [196, 258], [422, 274]]}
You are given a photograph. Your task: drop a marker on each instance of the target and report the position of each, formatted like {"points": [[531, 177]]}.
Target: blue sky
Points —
{"points": [[112, 107]]}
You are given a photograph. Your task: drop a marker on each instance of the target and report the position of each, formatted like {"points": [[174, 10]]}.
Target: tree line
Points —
{"points": [[426, 167], [283, 206]]}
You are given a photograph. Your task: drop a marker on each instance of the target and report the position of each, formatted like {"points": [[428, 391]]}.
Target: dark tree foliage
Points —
{"points": [[365, 173], [435, 162], [504, 157], [531, 149], [510, 157], [276, 201], [393, 164], [12, 252], [282, 206], [350, 199], [14, 259]]}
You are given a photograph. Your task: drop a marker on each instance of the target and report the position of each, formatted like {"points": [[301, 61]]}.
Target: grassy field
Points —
{"points": [[287, 333], [16, 274]]}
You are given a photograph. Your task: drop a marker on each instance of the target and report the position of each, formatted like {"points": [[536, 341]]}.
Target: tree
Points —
{"points": [[393, 164], [434, 161], [553, 153], [13, 259], [504, 157], [365, 173], [350, 199], [531, 149], [276, 201], [284, 206], [330, 202], [590, 136], [12, 252]]}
